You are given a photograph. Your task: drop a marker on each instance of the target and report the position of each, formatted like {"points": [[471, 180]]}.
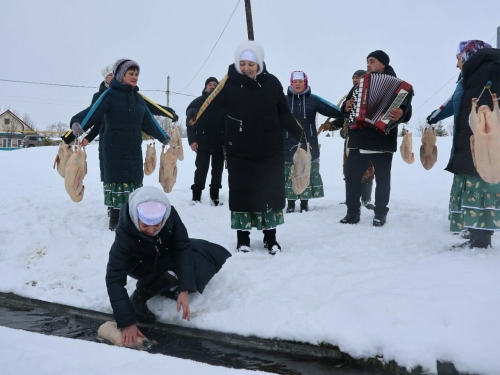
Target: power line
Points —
{"points": [[227, 23], [84, 87]]}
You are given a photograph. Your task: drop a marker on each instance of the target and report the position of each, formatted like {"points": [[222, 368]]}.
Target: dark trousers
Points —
{"points": [[202, 164], [356, 167]]}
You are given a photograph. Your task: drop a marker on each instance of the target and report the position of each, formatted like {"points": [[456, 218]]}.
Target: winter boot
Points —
{"points": [[214, 196], [114, 214], [291, 206], [109, 211], [270, 242], [366, 194], [481, 239], [351, 218], [304, 206], [243, 244], [196, 194], [379, 220], [463, 245], [140, 296]]}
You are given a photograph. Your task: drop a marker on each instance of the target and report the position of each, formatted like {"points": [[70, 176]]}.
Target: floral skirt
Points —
{"points": [[474, 203], [313, 190], [260, 220], [116, 193]]}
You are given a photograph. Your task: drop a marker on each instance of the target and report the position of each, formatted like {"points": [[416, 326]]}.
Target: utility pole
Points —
{"points": [[168, 91], [248, 11], [498, 37]]}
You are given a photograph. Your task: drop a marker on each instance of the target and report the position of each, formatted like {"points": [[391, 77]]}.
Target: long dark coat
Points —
{"points": [[208, 131], [256, 113], [482, 66], [304, 107], [194, 261], [126, 118], [372, 139]]}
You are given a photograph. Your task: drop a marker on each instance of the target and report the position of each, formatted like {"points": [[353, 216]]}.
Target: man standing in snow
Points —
{"points": [[369, 144], [206, 138]]}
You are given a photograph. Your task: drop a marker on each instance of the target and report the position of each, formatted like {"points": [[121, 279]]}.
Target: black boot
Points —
{"points": [[304, 206], [270, 242], [366, 194], [109, 211], [196, 194], [243, 244], [214, 196], [480, 238], [351, 218], [291, 206], [140, 296], [379, 220], [114, 214]]}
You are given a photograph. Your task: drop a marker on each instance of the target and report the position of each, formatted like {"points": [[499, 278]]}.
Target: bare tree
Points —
{"points": [[58, 128], [28, 121], [450, 128]]}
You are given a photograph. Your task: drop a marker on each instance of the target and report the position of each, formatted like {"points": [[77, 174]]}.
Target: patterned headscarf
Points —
{"points": [[469, 47]]}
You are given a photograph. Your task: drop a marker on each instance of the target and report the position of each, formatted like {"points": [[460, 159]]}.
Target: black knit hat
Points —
{"points": [[380, 56], [359, 73], [211, 79]]}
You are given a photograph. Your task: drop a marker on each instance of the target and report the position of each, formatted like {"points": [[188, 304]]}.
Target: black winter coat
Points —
{"points": [[373, 139], [482, 66], [208, 131], [127, 116], [304, 107], [132, 246], [256, 113]]}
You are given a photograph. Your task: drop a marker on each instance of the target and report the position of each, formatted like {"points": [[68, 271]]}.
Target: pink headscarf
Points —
{"points": [[299, 74]]}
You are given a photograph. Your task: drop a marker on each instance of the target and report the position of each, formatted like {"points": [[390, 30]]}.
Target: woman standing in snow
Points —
{"points": [[257, 112], [126, 118], [474, 203], [304, 107]]}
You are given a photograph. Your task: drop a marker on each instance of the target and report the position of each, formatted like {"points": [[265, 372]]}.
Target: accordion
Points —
{"points": [[374, 97]]}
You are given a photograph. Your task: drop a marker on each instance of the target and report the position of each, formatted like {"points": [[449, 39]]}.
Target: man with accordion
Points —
{"points": [[375, 108]]}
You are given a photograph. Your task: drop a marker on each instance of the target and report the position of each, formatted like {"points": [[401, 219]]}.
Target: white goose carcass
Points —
{"points": [[111, 333], [485, 143], [176, 142], [406, 148], [63, 155], [301, 169], [150, 159], [428, 150], [75, 171], [168, 169]]}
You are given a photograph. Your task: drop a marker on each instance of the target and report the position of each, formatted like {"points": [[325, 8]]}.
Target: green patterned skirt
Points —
{"points": [[260, 220], [313, 190], [474, 203], [116, 193]]}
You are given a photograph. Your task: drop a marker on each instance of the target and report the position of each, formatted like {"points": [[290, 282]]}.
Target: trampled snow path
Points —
{"points": [[395, 291]]}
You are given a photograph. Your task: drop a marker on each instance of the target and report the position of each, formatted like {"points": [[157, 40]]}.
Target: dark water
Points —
{"points": [[201, 350]]}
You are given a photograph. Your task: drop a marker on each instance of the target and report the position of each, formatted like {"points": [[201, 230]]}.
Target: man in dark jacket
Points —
{"points": [[369, 144], [152, 246], [206, 138]]}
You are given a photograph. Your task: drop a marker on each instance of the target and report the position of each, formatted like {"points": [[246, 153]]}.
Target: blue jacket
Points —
{"points": [[304, 107], [126, 117]]}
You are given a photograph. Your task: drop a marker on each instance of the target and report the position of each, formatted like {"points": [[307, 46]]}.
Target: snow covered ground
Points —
{"points": [[25, 353], [395, 291]]}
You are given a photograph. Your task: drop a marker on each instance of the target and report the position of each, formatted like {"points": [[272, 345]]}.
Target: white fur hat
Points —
{"points": [[249, 46], [107, 70]]}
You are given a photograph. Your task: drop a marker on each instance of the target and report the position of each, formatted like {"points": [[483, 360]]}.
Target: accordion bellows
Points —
{"points": [[374, 97]]}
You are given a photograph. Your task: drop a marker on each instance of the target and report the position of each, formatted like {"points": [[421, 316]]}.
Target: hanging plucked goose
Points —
{"points": [[63, 155], [428, 150], [150, 159], [406, 148], [168, 169], [75, 171], [301, 169]]}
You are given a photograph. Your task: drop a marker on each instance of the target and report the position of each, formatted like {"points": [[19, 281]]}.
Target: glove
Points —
{"points": [[77, 129], [429, 118], [166, 142], [176, 118]]}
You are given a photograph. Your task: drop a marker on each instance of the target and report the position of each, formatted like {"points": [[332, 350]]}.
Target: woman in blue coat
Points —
{"points": [[304, 107], [126, 117]]}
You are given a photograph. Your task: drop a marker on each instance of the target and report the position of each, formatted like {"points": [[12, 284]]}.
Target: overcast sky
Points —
{"points": [[68, 42]]}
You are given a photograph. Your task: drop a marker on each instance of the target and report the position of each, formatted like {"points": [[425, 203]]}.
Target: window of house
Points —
{"points": [[19, 143], [6, 142], [6, 121]]}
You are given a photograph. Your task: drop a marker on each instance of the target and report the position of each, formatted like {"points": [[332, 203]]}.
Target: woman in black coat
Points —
{"points": [[474, 203], [304, 107], [152, 246], [256, 113], [126, 117]]}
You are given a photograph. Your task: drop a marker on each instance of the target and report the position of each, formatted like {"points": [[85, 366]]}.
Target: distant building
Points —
{"points": [[12, 130]]}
